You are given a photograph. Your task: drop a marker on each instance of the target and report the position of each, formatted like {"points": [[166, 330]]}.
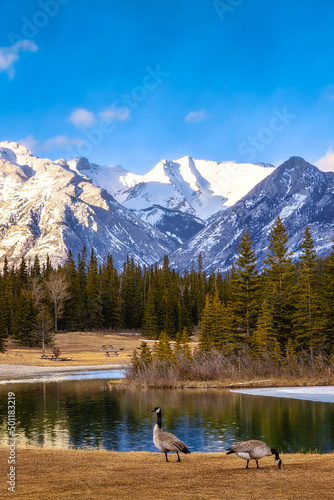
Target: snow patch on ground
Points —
{"points": [[323, 394]]}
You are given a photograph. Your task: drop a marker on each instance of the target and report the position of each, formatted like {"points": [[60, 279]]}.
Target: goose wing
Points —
{"points": [[172, 443], [253, 447]]}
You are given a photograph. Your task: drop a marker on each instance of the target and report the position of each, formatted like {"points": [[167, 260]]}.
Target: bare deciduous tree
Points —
{"points": [[43, 329], [57, 289]]}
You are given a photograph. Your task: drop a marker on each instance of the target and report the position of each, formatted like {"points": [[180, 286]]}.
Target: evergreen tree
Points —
{"points": [[71, 317], [81, 290], [145, 354], [150, 319], [163, 350], [23, 316], [307, 317], [279, 281], [245, 286], [264, 339], [328, 301], [109, 295], [216, 325], [131, 294], [93, 293]]}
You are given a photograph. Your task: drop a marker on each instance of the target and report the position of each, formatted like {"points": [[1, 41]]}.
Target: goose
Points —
{"points": [[254, 450], [166, 441]]}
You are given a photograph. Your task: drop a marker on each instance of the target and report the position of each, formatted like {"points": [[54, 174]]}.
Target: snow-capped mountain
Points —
{"points": [[114, 178], [297, 191], [181, 208], [197, 187], [48, 208]]}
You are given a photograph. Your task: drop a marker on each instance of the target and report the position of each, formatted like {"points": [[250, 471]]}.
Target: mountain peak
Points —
{"points": [[79, 164], [14, 152], [295, 162]]}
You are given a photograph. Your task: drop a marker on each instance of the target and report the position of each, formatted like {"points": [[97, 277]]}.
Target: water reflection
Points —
{"points": [[91, 414]]}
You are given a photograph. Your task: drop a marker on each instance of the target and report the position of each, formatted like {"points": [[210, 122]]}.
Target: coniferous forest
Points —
{"points": [[285, 309]]}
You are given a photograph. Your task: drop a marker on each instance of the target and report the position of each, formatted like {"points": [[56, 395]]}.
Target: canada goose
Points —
{"points": [[166, 441], [254, 450]]}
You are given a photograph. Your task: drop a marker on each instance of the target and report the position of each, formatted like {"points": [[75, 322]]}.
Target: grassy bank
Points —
{"points": [[215, 369], [92, 475]]}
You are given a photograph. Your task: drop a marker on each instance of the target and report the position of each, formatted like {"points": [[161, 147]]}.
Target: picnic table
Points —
{"points": [[54, 358], [112, 352]]}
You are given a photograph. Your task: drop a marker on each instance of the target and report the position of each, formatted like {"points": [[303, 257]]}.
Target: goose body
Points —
{"points": [[254, 450], [166, 441]]}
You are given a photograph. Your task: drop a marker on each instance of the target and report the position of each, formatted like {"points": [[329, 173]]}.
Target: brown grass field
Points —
{"points": [[43, 474], [85, 350], [83, 347]]}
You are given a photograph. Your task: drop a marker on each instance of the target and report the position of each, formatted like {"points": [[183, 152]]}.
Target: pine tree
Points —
{"points": [[150, 320], [307, 317], [163, 350], [81, 290], [328, 301], [109, 295], [23, 316], [93, 291], [216, 325], [71, 318], [279, 281], [245, 285], [264, 339], [145, 354], [131, 294]]}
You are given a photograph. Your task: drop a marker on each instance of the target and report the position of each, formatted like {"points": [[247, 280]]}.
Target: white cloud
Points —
{"points": [[10, 55], [116, 114], [82, 118], [29, 142], [61, 141], [326, 162], [196, 116]]}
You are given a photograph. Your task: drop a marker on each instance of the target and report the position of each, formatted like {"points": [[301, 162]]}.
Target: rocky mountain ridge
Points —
{"points": [[48, 208]]}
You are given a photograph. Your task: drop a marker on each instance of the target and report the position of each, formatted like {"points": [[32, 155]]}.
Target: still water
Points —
{"points": [[90, 413]]}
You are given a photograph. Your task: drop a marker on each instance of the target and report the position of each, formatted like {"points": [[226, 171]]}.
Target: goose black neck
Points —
{"points": [[159, 419], [275, 452]]}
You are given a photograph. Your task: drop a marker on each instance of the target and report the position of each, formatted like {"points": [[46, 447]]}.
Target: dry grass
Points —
{"points": [[83, 347], [45, 474], [218, 369]]}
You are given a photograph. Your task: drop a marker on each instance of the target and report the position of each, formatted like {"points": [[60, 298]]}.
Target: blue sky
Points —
{"points": [[130, 82]]}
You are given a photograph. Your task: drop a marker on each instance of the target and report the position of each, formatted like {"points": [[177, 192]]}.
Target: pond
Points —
{"points": [[89, 413]]}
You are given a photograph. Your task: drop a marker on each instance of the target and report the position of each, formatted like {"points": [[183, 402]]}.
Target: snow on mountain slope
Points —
{"points": [[114, 178], [47, 208], [197, 187], [296, 191]]}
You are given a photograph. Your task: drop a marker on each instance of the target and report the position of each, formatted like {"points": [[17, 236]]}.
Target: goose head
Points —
{"points": [[278, 461], [156, 409]]}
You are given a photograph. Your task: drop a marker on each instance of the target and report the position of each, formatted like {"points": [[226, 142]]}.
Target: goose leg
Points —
{"points": [[166, 456], [178, 457], [257, 463], [247, 464]]}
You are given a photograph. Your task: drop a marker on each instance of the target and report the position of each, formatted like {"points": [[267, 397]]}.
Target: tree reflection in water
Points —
{"points": [[92, 414]]}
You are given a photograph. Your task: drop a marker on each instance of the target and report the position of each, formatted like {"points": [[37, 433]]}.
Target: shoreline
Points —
{"points": [[229, 383], [16, 372]]}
